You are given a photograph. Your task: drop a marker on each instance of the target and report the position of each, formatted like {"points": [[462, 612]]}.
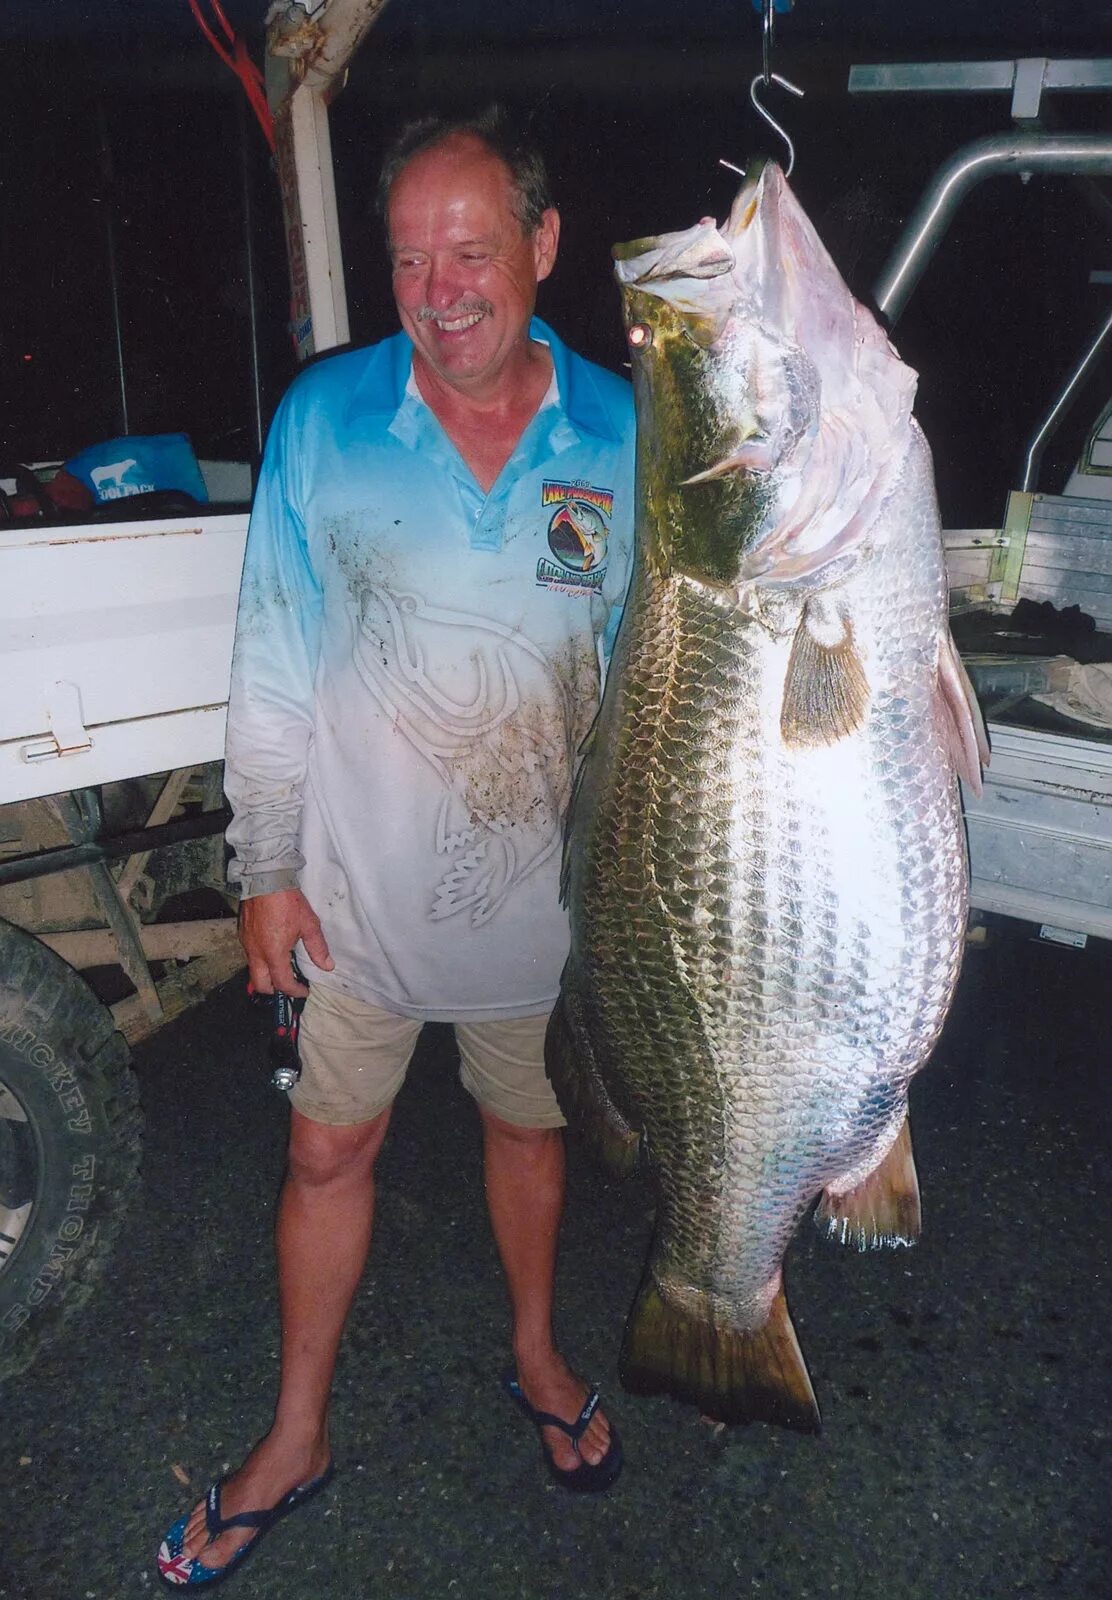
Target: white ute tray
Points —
{"points": [[1040, 837], [115, 648]]}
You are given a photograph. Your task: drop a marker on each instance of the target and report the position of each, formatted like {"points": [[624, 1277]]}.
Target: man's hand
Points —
{"points": [[269, 927]]}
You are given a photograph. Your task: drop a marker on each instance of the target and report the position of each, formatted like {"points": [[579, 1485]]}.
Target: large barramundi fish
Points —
{"points": [[765, 862]]}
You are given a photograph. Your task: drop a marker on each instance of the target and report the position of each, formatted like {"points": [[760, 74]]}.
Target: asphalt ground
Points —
{"points": [[964, 1385]]}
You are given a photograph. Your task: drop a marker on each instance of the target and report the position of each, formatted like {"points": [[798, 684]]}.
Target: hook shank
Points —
{"points": [[763, 112]]}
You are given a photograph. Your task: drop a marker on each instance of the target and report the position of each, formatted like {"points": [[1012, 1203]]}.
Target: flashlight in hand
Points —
{"points": [[285, 1009]]}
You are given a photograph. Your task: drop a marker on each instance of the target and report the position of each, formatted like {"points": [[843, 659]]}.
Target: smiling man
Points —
{"points": [[418, 656]]}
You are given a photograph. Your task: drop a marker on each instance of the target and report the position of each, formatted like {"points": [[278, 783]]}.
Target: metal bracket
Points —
{"points": [[69, 735], [1026, 79], [1007, 562]]}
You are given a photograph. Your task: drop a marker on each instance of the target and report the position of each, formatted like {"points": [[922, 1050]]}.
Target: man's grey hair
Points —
{"points": [[495, 129]]}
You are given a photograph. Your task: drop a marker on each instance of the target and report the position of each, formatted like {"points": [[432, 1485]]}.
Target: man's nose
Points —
{"points": [[442, 288]]}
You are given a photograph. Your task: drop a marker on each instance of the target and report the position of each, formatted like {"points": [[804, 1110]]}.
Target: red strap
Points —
{"points": [[239, 62]]}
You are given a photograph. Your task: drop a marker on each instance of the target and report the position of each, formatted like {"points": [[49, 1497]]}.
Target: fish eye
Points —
{"points": [[640, 336]]}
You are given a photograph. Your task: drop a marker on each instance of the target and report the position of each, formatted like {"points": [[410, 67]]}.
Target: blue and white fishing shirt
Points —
{"points": [[416, 664]]}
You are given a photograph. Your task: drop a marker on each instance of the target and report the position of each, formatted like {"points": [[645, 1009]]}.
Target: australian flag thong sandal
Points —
{"points": [[177, 1570]]}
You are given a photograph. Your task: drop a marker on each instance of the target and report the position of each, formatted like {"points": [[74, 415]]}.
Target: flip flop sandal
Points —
{"points": [[177, 1570], [585, 1478]]}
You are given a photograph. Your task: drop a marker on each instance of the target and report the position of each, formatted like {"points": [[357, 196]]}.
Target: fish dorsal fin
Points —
{"points": [[826, 692], [963, 726]]}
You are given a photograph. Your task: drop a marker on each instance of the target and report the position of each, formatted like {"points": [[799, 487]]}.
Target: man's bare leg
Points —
{"points": [[323, 1234], [524, 1170]]}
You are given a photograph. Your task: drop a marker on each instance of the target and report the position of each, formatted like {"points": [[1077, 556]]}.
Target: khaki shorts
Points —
{"points": [[354, 1058]]}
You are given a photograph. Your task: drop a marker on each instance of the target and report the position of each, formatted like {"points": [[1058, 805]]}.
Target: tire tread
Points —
{"points": [[52, 994]]}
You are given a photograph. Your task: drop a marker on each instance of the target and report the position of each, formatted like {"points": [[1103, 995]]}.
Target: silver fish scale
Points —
{"points": [[766, 940]]}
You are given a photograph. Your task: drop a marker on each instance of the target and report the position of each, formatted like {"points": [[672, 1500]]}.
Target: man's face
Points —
{"points": [[465, 272]]}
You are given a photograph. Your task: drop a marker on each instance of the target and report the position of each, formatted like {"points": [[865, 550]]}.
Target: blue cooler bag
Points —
{"points": [[137, 464]]}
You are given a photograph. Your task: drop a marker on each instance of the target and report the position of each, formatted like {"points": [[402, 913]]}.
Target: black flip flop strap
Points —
{"points": [[216, 1524], [574, 1430]]}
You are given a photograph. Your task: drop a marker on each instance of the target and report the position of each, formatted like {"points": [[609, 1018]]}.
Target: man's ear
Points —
{"points": [[545, 242]]}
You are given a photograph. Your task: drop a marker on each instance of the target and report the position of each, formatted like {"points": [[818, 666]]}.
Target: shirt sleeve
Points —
{"points": [[274, 663]]}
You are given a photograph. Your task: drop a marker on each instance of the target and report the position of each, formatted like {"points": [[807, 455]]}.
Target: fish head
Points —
{"points": [[766, 396], [708, 391]]}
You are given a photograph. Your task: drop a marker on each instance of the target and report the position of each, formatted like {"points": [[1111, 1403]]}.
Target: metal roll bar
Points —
{"points": [[1075, 154]]}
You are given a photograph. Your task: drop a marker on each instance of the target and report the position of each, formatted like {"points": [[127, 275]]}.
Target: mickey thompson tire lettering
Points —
{"points": [[69, 1143]]}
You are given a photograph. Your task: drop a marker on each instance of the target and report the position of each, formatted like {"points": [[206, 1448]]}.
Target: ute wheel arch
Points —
{"points": [[70, 1131]]}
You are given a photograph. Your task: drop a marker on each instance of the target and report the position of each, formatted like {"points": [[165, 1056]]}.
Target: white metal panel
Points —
{"points": [[1041, 907], [1051, 762], [118, 750], [1075, 513], [138, 618], [1095, 602], [1040, 837]]}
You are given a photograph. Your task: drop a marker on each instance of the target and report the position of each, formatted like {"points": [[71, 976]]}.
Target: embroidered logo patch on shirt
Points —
{"points": [[578, 530]]}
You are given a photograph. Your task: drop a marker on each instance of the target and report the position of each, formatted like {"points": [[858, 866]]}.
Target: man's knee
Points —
{"points": [[320, 1153]]}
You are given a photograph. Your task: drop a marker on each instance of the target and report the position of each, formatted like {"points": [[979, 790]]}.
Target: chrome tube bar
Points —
{"points": [[1061, 405], [1075, 154]]}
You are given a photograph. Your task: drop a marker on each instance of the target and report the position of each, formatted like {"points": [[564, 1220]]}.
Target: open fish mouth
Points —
{"points": [[691, 270], [661, 263], [699, 252]]}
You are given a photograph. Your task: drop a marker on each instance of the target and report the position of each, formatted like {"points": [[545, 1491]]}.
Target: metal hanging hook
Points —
{"points": [[766, 43], [762, 111]]}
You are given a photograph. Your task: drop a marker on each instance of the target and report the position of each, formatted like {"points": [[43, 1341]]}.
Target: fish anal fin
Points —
{"points": [[732, 1375], [584, 1099], [882, 1210], [826, 692], [963, 726]]}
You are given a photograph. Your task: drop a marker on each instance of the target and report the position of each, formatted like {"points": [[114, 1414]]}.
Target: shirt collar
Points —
{"points": [[381, 389]]}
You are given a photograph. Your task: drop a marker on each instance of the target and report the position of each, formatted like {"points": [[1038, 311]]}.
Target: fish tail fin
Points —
{"points": [[730, 1374], [882, 1210], [584, 1099]]}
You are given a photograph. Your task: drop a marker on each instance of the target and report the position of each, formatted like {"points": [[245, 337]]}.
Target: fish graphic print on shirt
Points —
{"points": [[482, 705]]}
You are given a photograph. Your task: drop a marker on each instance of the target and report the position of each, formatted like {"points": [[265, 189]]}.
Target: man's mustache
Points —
{"points": [[466, 308]]}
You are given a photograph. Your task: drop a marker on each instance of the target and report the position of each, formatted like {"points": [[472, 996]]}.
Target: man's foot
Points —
{"points": [[549, 1386], [268, 1475]]}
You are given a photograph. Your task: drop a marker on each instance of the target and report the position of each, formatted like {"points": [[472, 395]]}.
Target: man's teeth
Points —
{"points": [[458, 324]]}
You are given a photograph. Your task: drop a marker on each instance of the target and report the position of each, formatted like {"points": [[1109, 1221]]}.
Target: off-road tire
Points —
{"points": [[70, 1131]]}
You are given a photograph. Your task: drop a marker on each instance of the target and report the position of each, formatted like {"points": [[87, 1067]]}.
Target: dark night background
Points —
{"points": [[118, 111]]}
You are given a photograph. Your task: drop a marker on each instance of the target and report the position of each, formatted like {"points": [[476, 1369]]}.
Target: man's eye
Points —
{"points": [[473, 258]]}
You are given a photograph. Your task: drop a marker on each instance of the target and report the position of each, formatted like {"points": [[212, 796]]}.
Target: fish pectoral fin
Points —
{"points": [[882, 1210], [584, 1099], [963, 726], [754, 454], [731, 1374], [826, 692]]}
